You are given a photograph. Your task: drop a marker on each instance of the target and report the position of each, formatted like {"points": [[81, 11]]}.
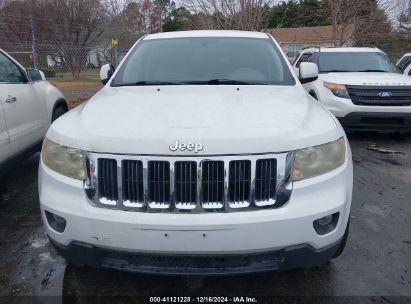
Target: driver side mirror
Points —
{"points": [[35, 75], [308, 72], [106, 72]]}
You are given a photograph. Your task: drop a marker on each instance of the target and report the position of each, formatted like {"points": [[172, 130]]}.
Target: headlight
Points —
{"points": [[338, 90], [64, 160], [311, 162]]}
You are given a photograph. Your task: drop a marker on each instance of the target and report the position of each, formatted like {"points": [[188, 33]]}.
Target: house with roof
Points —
{"points": [[293, 40]]}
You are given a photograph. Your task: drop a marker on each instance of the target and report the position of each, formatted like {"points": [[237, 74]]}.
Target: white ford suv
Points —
{"points": [[362, 87], [202, 154], [28, 105]]}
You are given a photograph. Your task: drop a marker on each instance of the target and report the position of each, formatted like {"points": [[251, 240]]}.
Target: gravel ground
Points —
{"points": [[376, 262]]}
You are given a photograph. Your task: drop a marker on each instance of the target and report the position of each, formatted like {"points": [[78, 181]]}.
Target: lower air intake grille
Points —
{"points": [[107, 181], [265, 179], [194, 263]]}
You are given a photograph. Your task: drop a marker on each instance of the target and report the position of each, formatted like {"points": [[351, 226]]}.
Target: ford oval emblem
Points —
{"points": [[385, 94]]}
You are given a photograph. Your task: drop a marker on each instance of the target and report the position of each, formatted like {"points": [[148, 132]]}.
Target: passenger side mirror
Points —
{"points": [[308, 72], [106, 72], [35, 75]]}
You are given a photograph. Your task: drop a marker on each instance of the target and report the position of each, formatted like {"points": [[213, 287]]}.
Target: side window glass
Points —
{"points": [[9, 72], [302, 59], [307, 57], [407, 64], [310, 57], [34, 75], [402, 65], [296, 60]]}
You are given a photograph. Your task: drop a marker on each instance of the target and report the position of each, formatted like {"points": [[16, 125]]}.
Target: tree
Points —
{"points": [[165, 8], [72, 27], [360, 20], [82, 23], [298, 14], [229, 14], [180, 19]]}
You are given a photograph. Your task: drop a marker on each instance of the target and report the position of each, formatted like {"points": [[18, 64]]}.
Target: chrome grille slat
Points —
{"points": [[181, 184], [212, 183], [185, 181], [132, 181], [159, 184], [266, 171], [108, 185], [239, 187]]}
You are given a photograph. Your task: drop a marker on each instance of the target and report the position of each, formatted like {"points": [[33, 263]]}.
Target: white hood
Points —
{"points": [[368, 79], [147, 120]]}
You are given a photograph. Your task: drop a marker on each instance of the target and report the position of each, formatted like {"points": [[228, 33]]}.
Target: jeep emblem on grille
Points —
{"points": [[196, 147], [385, 94]]}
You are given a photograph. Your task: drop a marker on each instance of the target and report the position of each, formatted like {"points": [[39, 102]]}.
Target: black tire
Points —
{"points": [[343, 242], [59, 111]]}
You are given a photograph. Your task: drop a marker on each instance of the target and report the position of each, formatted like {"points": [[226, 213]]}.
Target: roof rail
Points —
{"points": [[312, 46], [368, 45]]}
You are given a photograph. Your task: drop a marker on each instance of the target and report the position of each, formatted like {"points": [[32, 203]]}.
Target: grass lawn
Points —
{"points": [[76, 91], [75, 83]]}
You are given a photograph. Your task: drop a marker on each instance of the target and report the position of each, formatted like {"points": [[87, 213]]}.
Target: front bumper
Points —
{"points": [[392, 122], [299, 256], [367, 118], [211, 234]]}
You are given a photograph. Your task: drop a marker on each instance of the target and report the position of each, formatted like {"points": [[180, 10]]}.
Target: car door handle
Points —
{"points": [[10, 99]]}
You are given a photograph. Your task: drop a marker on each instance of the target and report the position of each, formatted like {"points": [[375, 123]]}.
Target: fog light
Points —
{"points": [[326, 224], [56, 222]]}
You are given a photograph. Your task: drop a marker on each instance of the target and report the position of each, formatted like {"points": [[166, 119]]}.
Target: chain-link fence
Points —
{"points": [[54, 58], [32, 47]]}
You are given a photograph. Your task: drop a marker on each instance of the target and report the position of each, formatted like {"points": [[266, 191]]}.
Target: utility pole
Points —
{"points": [[33, 41], [114, 43], [116, 54]]}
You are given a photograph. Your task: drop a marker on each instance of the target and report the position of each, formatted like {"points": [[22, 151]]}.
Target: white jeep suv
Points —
{"points": [[202, 154], [362, 87], [28, 105]]}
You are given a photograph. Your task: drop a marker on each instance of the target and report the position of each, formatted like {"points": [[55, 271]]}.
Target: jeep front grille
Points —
{"points": [[178, 184]]}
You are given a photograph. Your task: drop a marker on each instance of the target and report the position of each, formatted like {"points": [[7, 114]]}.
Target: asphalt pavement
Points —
{"points": [[376, 262]]}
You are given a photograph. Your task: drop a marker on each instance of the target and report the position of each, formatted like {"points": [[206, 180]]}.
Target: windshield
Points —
{"points": [[211, 61], [355, 62]]}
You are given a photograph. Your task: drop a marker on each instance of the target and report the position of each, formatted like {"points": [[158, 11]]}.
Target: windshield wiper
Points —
{"points": [[192, 82], [382, 71], [221, 81], [154, 82], [336, 71]]}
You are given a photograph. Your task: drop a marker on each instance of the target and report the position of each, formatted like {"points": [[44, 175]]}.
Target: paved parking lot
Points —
{"points": [[376, 262]]}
